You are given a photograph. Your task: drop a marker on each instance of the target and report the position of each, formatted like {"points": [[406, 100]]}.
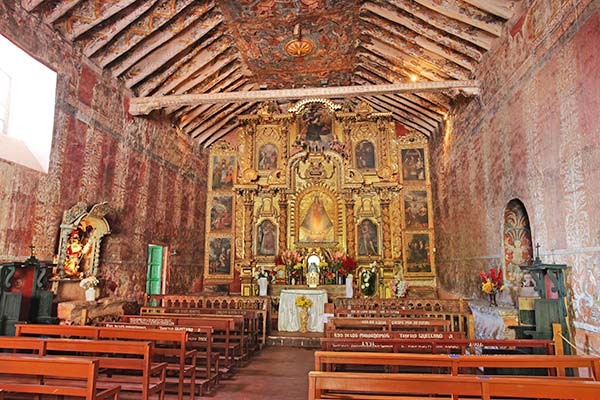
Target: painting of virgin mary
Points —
{"points": [[316, 224]]}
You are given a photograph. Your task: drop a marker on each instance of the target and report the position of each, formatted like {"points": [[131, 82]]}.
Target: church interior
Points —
{"points": [[301, 199]]}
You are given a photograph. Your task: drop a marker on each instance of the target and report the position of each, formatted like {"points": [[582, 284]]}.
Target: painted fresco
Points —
{"points": [[518, 249]]}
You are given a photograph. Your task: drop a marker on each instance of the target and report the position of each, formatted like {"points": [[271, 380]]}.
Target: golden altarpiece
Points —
{"points": [[320, 177]]}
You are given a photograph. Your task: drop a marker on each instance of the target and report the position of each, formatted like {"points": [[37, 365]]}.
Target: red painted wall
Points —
{"points": [[150, 175], [534, 136]]}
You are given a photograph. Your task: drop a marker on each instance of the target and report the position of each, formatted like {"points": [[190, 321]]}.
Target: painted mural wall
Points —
{"points": [[150, 175], [534, 136]]}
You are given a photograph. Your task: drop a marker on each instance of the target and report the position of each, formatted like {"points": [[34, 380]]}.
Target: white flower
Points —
{"points": [[89, 282]]}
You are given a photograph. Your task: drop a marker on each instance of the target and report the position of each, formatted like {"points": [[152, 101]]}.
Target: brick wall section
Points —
{"points": [[536, 137], [152, 177]]}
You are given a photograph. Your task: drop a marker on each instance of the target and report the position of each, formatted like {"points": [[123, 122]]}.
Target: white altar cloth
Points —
{"points": [[288, 312]]}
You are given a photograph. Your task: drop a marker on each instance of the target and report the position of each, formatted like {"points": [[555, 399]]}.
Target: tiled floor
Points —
{"points": [[273, 373]]}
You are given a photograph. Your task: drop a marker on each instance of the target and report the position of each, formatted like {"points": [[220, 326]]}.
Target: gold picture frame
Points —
{"points": [[418, 254], [416, 208], [414, 164]]}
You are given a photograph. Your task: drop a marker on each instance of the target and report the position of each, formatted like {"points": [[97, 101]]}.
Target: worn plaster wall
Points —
{"points": [[534, 136], [153, 177]]}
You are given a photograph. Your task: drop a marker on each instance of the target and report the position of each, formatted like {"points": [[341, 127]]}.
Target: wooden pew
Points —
{"points": [[261, 305], [431, 346], [238, 334], [196, 334], [223, 326], [388, 324], [79, 376], [456, 364], [355, 385], [165, 342]]}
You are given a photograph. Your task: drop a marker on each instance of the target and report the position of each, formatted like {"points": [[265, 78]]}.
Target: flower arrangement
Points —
{"points": [[89, 282], [262, 273], [491, 283], [368, 280], [303, 302], [398, 286], [291, 260], [340, 263]]}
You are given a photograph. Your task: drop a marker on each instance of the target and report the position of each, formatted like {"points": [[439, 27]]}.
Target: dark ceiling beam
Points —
{"points": [[60, 10], [144, 105], [211, 135], [461, 30], [400, 118], [147, 34], [111, 31], [82, 26], [469, 15], [170, 52], [400, 18]]}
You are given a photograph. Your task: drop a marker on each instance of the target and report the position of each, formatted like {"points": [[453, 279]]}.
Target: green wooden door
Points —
{"points": [[155, 260]]}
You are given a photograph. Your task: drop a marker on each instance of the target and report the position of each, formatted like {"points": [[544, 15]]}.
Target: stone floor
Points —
{"points": [[274, 373]]}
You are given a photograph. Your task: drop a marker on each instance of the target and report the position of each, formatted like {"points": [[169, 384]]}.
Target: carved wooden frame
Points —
{"points": [[407, 237]]}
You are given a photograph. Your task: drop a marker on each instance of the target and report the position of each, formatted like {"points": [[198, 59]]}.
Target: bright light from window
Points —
{"points": [[27, 100]]}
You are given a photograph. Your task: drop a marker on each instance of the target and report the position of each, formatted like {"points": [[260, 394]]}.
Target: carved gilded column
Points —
{"points": [[248, 218], [350, 224], [283, 213], [384, 201]]}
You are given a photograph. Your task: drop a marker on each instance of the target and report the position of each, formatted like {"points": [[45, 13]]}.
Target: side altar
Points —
{"points": [[320, 179]]}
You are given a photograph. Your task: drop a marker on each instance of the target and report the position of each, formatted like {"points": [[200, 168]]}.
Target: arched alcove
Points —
{"points": [[517, 243]]}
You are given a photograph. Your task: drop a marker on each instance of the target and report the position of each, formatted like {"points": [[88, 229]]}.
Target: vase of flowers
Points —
{"points": [[263, 277], [89, 284], [303, 303], [491, 284], [292, 262], [340, 264], [368, 280], [398, 286]]}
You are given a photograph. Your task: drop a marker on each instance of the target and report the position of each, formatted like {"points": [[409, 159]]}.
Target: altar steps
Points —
{"points": [[295, 339]]}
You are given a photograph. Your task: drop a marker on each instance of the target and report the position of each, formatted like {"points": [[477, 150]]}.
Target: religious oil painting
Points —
{"points": [[365, 155], [266, 238], [316, 127], [267, 157], [223, 170], [317, 213], [367, 238], [416, 211], [221, 213], [219, 256], [418, 254], [413, 165]]}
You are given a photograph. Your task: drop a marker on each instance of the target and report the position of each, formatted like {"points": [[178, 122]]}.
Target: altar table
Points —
{"points": [[288, 312]]}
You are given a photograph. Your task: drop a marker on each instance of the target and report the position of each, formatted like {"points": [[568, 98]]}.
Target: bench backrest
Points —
{"points": [[429, 324], [484, 387]]}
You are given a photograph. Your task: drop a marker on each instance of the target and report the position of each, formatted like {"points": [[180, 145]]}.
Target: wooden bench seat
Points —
{"points": [[355, 385], [31, 374]]}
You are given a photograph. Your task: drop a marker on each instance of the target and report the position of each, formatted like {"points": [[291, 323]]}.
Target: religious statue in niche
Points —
{"points": [[316, 127], [368, 241], [221, 213], [316, 225], [266, 238], [413, 164], [365, 155], [80, 238], [416, 213], [223, 168], [267, 157]]}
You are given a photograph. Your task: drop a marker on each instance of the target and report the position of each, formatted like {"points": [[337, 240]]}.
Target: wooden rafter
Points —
{"points": [[144, 105], [500, 8], [62, 9], [450, 9], [82, 28]]}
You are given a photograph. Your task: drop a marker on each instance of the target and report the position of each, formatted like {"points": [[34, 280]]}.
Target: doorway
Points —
{"points": [[156, 272]]}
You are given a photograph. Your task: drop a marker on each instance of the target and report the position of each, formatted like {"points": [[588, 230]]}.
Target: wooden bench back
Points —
{"points": [[389, 324], [212, 302], [456, 364], [367, 334], [393, 386], [58, 367]]}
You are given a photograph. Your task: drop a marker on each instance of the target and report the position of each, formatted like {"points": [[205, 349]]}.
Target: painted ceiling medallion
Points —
{"points": [[299, 47]]}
